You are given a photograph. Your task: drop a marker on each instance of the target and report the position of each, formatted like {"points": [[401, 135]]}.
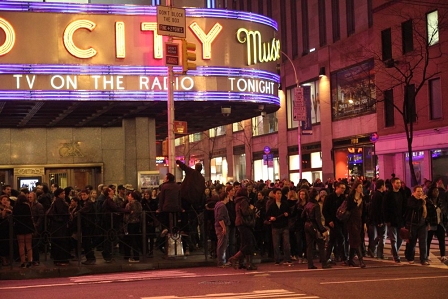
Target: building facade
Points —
{"points": [[357, 59], [358, 62], [84, 86]]}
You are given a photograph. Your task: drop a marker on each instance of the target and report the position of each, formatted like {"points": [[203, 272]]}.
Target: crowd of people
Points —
{"points": [[278, 220], [301, 222]]}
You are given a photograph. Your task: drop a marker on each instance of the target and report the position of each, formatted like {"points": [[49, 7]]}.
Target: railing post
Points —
{"points": [[79, 238], [11, 241], [144, 238]]}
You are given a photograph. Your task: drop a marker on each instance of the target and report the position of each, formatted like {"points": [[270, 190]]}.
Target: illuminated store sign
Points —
{"points": [[79, 51]]}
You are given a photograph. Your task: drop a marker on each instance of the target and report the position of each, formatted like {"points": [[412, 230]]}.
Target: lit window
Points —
{"points": [[217, 131], [211, 3], [195, 137], [237, 126], [432, 24]]}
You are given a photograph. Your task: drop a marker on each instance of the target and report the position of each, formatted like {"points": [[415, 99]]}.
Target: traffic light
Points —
{"points": [[188, 55]]}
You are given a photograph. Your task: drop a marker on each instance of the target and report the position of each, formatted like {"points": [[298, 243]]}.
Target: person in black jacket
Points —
{"points": [[245, 222], [87, 214], [416, 221], [23, 228], [315, 232], [192, 190], [278, 215], [111, 213], [37, 210], [337, 232], [261, 230], [169, 202], [356, 224], [437, 211], [150, 203], [193, 185], [233, 234], [394, 208], [377, 224], [59, 217]]}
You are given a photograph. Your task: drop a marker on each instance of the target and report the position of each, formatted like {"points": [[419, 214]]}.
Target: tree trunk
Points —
{"points": [[411, 166]]}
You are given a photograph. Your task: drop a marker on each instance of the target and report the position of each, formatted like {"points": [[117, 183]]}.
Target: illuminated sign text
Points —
{"points": [[258, 51]]}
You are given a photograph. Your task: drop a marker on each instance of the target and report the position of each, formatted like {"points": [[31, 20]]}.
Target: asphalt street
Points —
{"points": [[381, 279]]}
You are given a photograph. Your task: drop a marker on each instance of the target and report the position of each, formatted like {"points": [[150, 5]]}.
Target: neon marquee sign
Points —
{"points": [[114, 52]]}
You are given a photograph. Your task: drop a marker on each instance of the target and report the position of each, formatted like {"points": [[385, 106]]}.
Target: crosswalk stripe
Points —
{"points": [[134, 276], [280, 294]]}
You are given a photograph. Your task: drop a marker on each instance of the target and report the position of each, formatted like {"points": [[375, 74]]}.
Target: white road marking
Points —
{"points": [[278, 294], [384, 279], [175, 274], [132, 276]]}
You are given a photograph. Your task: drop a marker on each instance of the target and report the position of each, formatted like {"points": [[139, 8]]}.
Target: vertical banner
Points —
{"points": [[307, 127]]}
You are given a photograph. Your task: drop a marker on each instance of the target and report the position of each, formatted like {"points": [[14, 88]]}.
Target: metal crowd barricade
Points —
{"points": [[106, 233]]}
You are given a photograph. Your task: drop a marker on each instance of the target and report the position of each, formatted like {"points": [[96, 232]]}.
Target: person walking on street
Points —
{"points": [[337, 235], [222, 222], [245, 222], [315, 232], [377, 224], [278, 214], [437, 211], [418, 228], [356, 224], [394, 208]]}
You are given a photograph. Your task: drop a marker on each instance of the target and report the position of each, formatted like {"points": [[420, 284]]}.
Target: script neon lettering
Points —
{"points": [[258, 51]]}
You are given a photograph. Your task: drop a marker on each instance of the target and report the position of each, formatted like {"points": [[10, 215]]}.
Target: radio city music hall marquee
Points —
{"points": [[113, 52]]}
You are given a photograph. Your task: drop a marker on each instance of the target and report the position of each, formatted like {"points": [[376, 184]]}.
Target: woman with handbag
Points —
{"points": [[416, 221], [356, 224]]}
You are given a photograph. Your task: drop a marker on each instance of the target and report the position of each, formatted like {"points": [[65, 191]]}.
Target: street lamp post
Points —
{"points": [[299, 129]]}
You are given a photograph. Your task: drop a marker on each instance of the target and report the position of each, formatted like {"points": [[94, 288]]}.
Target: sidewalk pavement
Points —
{"points": [[197, 258], [47, 269]]}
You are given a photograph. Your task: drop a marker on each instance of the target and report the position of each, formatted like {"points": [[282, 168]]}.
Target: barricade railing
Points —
{"points": [[103, 229]]}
